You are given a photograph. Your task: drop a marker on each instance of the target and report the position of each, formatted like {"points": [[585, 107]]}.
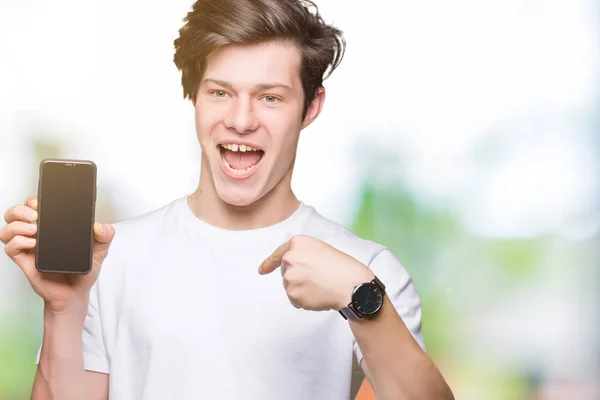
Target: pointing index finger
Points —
{"points": [[272, 262]]}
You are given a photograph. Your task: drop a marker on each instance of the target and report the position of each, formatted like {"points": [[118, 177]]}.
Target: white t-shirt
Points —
{"points": [[180, 312]]}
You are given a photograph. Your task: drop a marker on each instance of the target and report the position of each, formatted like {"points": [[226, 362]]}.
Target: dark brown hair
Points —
{"points": [[215, 23]]}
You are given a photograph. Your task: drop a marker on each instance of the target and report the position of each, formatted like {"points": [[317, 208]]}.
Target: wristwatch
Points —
{"points": [[367, 299]]}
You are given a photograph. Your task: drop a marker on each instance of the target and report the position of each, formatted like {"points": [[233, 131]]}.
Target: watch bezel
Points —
{"points": [[355, 299]]}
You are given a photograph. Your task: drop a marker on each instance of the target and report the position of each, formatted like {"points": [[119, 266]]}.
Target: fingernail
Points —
{"points": [[34, 203], [34, 215]]}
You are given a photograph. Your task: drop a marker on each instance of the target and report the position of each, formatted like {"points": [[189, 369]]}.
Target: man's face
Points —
{"points": [[249, 117]]}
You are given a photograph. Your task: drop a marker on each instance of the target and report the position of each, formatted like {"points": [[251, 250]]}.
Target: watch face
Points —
{"points": [[367, 299]]}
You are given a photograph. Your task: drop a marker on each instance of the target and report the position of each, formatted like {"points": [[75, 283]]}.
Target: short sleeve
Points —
{"points": [[94, 352], [402, 292]]}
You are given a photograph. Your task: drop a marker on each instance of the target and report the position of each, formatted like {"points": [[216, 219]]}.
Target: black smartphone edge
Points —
{"points": [[39, 210]]}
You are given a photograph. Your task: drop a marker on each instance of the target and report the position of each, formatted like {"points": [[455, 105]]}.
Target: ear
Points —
{"points": [[314, 108]]}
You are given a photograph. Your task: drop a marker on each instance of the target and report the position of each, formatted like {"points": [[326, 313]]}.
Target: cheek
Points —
{"points": [[205, 122], [284, 128], [288, 143]]}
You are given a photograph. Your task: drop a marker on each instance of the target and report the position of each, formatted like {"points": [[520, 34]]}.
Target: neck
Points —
{"points": [[274, 207]]}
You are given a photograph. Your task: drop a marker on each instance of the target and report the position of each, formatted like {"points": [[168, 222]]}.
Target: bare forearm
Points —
{"points": [[398, 367], [60, 373]]}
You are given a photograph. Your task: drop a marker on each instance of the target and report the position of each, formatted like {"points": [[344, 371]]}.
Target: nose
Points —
{"points": [[241, 116]]}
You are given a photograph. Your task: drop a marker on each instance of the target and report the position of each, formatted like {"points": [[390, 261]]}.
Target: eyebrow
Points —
{"points": [[258, 87]]}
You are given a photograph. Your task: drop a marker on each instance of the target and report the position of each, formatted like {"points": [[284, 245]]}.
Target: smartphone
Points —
{"points": [[66, 213]]}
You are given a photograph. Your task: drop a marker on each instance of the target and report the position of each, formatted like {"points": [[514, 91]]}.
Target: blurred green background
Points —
{"points": [[463, 135]]}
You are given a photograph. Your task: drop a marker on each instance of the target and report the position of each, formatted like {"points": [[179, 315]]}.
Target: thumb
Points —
{"points": [[103, 233]]}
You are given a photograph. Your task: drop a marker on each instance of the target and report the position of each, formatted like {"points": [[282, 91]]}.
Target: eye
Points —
{"points": [[221, 94], [271, 99]]}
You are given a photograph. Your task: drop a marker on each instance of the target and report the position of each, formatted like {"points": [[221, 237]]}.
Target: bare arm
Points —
{"points": [[60, 373], [317, 277], [394, 363]]}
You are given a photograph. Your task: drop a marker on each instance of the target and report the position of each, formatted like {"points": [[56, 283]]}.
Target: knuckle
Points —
{"points": [[15, 213], [8, 232], [300, 238], [288, 258], [10, 248], [294, 301], [287, 280], [16, 241], [296, 239], [293, 295], [16, 244], [8, 213], [12, 230]]}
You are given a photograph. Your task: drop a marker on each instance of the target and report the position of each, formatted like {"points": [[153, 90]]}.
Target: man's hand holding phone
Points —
{"points": [[60, 292]]}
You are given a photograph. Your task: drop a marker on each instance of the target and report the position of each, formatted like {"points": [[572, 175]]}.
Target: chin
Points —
{"points": [[238, 198]]}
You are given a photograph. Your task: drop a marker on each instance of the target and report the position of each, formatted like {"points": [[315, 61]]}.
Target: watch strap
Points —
{"points": [[378, 283], [349, 314]]}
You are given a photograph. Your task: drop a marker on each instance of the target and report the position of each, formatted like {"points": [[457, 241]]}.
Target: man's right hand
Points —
{"points": [[61, 292]]}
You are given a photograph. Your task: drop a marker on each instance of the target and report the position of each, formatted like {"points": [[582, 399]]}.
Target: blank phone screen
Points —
{"points": [[66, 217]]}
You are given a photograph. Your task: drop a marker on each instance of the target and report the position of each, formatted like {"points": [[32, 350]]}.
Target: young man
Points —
{"points": [[188, 303]]}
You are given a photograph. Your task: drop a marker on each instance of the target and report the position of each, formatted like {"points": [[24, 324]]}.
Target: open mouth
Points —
{"points": [[240, 160]]}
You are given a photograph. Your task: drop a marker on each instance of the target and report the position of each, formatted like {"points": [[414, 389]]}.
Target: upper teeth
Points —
{"points": [[238, 147]]}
